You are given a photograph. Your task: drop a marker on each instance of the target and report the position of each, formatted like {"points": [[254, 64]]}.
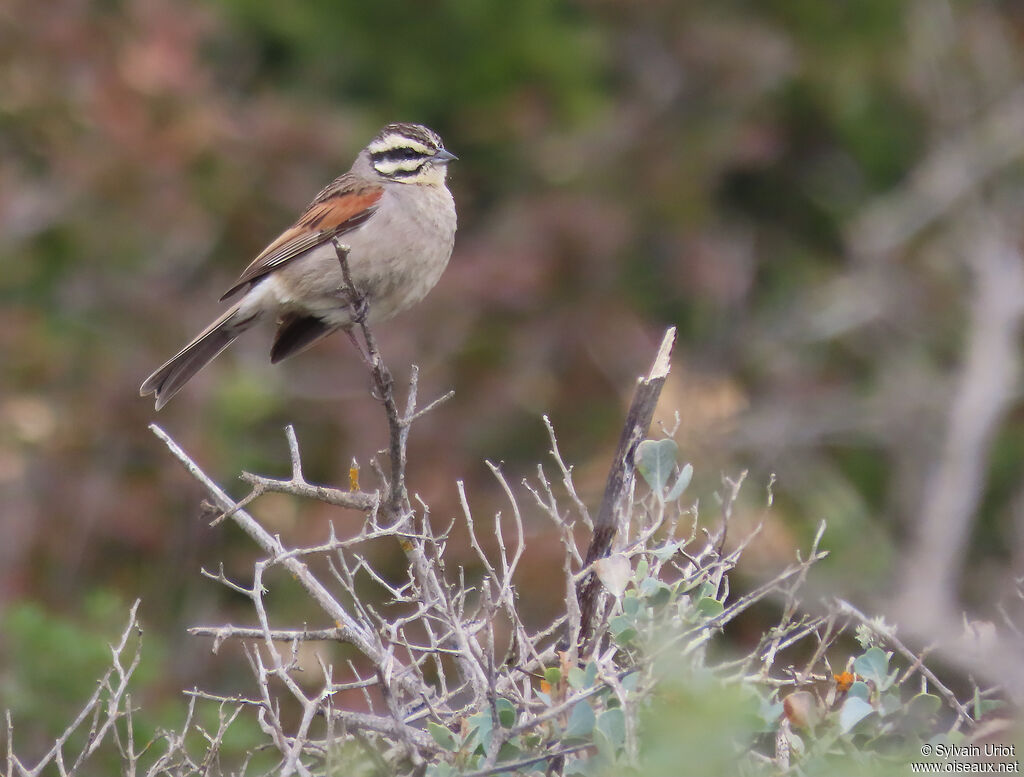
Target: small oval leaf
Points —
{"points": [[710, 607], [620, 623], [860, 689], [581, 721], [685, 476], [802, 709], [873, 665], [614, 573], [625, 637], [612, 724], [630, 605], [854, 710], [442, 735], [506, 712], [655, 459], [922, 709]]}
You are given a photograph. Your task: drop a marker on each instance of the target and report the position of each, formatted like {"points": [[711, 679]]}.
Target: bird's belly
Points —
{"points": [[393, 261]]}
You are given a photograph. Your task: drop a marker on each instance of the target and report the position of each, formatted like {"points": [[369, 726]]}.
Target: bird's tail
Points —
{"points": [[179, 369]]}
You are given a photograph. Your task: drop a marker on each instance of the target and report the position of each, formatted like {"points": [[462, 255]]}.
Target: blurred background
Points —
{"points": [[825, 198]]}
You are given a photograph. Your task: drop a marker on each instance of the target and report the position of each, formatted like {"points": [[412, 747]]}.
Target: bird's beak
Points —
{"points": [[444, 156]]}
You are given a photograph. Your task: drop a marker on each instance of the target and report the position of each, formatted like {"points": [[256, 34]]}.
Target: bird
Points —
{"points": [[393, 214]]}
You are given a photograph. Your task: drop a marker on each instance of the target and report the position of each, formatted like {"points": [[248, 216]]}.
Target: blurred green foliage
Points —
{"points": [[56, 663], [423, 61], [696, 720], [59, 659]]}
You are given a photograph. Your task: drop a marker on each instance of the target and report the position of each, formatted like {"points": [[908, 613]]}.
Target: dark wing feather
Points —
{"points": [[295, 333], [344, 205]]}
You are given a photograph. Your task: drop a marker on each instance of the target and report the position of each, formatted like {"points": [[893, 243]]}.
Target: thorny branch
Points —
{"points": [[447, 668], [620, 477], [398, 424], [889, 636], [457, 638]]}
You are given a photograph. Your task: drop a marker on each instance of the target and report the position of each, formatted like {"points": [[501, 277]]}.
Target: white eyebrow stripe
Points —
{"points": [[398, 165], [392, 142]]}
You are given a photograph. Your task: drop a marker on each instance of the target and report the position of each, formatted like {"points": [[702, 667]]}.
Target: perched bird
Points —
{"points": [[394, 214]]}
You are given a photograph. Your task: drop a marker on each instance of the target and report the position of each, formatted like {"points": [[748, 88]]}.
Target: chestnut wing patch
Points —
{"points": [[338, 209]]}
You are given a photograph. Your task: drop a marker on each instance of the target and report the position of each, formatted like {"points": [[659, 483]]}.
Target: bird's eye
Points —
{"points": [[407, 153]]}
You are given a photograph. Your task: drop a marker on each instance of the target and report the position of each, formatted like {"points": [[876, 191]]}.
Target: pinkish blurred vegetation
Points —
{"points": [[802, 187]]}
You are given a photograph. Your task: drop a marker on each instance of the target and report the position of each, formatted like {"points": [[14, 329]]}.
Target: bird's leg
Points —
{"points": [[359, 347], [360, 312], [357, 301], [359, 307]]}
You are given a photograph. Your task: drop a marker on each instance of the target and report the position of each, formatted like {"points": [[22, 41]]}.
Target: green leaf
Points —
{"points": [[642, 567], [874, 666], [590, 674], [667, 551], [508, 751], [630, 604], [506, 713], [620, 623], [442, 736], [576, 678], [709, 607], [649, 585], [660, 596], [655, 459], [612, 723], [553, 675], [685, 476], [853, 711], [888, 703], [860, 690], [581, 721], [769, 712], [481, 725], [982, 706], [625, 637], [922, 709], [605, 752]]}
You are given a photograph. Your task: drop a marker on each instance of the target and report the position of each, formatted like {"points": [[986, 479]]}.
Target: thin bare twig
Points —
{"points": [[890, 637], [351, 630], [398, 426], [103, 707]]}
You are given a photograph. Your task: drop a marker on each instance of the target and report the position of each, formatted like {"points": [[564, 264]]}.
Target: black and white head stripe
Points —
{"points": [[402, 150]]}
